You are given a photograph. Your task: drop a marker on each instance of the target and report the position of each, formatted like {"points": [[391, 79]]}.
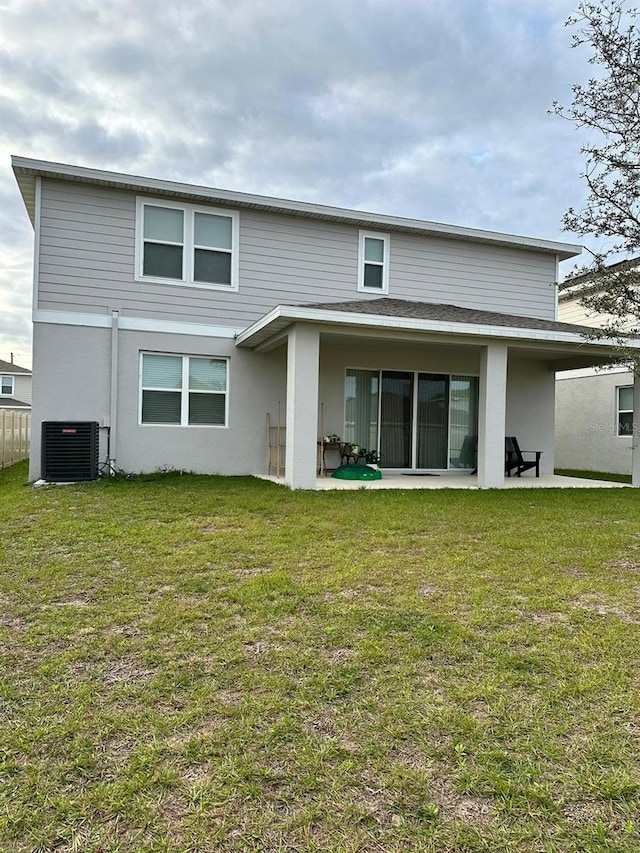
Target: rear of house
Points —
{"points": [[180, 318]]}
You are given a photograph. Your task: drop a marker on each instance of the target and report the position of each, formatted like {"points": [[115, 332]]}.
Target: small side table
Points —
{"points": [[333, 446]]}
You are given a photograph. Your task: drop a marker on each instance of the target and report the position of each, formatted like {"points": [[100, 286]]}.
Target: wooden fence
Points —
{"points": [[15, 436]]}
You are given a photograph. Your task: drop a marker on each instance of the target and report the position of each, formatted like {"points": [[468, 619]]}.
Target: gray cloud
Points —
{"points": [[429, 109]]}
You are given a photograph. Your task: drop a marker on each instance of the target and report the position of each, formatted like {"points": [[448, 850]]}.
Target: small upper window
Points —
{"points": [[625, 410], [373, 262], [6, 386], [187, 244]]}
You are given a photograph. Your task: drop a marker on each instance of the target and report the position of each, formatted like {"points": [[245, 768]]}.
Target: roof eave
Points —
{"points": [[27, 169], [282, 316]]}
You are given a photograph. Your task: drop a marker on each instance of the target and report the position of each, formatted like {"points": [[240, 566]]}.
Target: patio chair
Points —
{"points": [[468, 457], [514, 459]]}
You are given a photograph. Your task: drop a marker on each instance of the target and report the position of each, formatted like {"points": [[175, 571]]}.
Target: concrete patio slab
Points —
{"points": [[456, 481]]}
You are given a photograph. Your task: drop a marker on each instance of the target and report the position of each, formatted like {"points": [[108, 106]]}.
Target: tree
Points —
{"points": [[609, 104]]}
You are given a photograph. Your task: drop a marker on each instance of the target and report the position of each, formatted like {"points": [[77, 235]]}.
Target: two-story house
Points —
{"points": [[15, 386], [179, 316]]}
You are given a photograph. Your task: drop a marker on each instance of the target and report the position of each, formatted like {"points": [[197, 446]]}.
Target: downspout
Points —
{"points": [[113, 411]]}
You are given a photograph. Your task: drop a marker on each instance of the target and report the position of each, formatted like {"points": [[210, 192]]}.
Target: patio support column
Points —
{"points": [[492, 415], [635, 438], [303, 363]]}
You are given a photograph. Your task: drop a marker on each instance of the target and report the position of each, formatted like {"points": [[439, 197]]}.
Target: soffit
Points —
{"points": [[26, 170]]}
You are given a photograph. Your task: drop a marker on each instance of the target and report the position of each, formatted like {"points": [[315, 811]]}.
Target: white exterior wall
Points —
{"points": [[256, 384], [586, 423], [86, 265], [530, 407], [70, 381]]}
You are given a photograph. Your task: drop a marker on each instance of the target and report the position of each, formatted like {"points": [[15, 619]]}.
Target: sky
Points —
{"points": [[431, 109]]}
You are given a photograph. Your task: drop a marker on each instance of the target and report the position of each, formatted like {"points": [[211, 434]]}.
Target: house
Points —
{"points": [[178, 317], [594, 408], [15, 387]]}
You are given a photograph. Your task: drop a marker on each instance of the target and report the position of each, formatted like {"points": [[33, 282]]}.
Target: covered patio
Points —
{"points": [[511, 361]]}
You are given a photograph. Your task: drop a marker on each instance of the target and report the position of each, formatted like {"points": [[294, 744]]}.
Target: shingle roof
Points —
{"points": [[595, 275], [9, 367], [12, 403], [388, 307]]}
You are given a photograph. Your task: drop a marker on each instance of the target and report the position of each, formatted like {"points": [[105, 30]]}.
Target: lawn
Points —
{"points": [[211, 664], [594, 475]]}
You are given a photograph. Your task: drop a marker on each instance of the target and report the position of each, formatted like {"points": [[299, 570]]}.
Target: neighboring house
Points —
{"points": [[180, 316], [15, 387], [594, 408]]}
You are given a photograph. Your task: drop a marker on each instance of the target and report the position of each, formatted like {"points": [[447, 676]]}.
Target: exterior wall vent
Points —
{"points": [[69, 451]]}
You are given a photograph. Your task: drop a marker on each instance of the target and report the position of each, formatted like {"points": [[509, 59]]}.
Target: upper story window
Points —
{"points": [[373, 262], [625, 409], [6, 386], [186, 244]]}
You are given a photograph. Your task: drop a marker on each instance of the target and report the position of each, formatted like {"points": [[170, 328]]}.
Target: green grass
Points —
{"points": [[593, 475], [210, 664]]}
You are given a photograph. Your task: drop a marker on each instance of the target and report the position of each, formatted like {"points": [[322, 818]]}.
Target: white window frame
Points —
{"points": [[386, 240], [12, 382], [188, 250], [183, 391], [620, 411]]}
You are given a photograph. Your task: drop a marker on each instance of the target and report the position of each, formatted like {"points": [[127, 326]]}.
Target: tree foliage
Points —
{"points": [[608, 105]]}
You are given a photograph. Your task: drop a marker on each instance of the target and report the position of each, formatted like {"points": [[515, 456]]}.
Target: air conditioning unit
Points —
{"points": [[69, 451]]}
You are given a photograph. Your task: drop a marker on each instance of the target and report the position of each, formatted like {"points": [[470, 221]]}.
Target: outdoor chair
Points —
{"points": [[468, 457], [514, 458]]}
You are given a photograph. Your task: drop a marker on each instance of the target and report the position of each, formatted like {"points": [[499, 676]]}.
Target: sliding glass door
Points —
{"points": [[396, 419], [361, 408], [463, 422], [433, 420], [414, 420]]}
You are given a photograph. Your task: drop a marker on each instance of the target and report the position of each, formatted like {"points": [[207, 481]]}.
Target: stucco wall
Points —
{"points": [[255, 384], [586, 423], [530, 407], [71, 379], [75, 385]]}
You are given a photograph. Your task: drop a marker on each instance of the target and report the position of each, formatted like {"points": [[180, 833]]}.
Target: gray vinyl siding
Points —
{"points": [[87, 250]]}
